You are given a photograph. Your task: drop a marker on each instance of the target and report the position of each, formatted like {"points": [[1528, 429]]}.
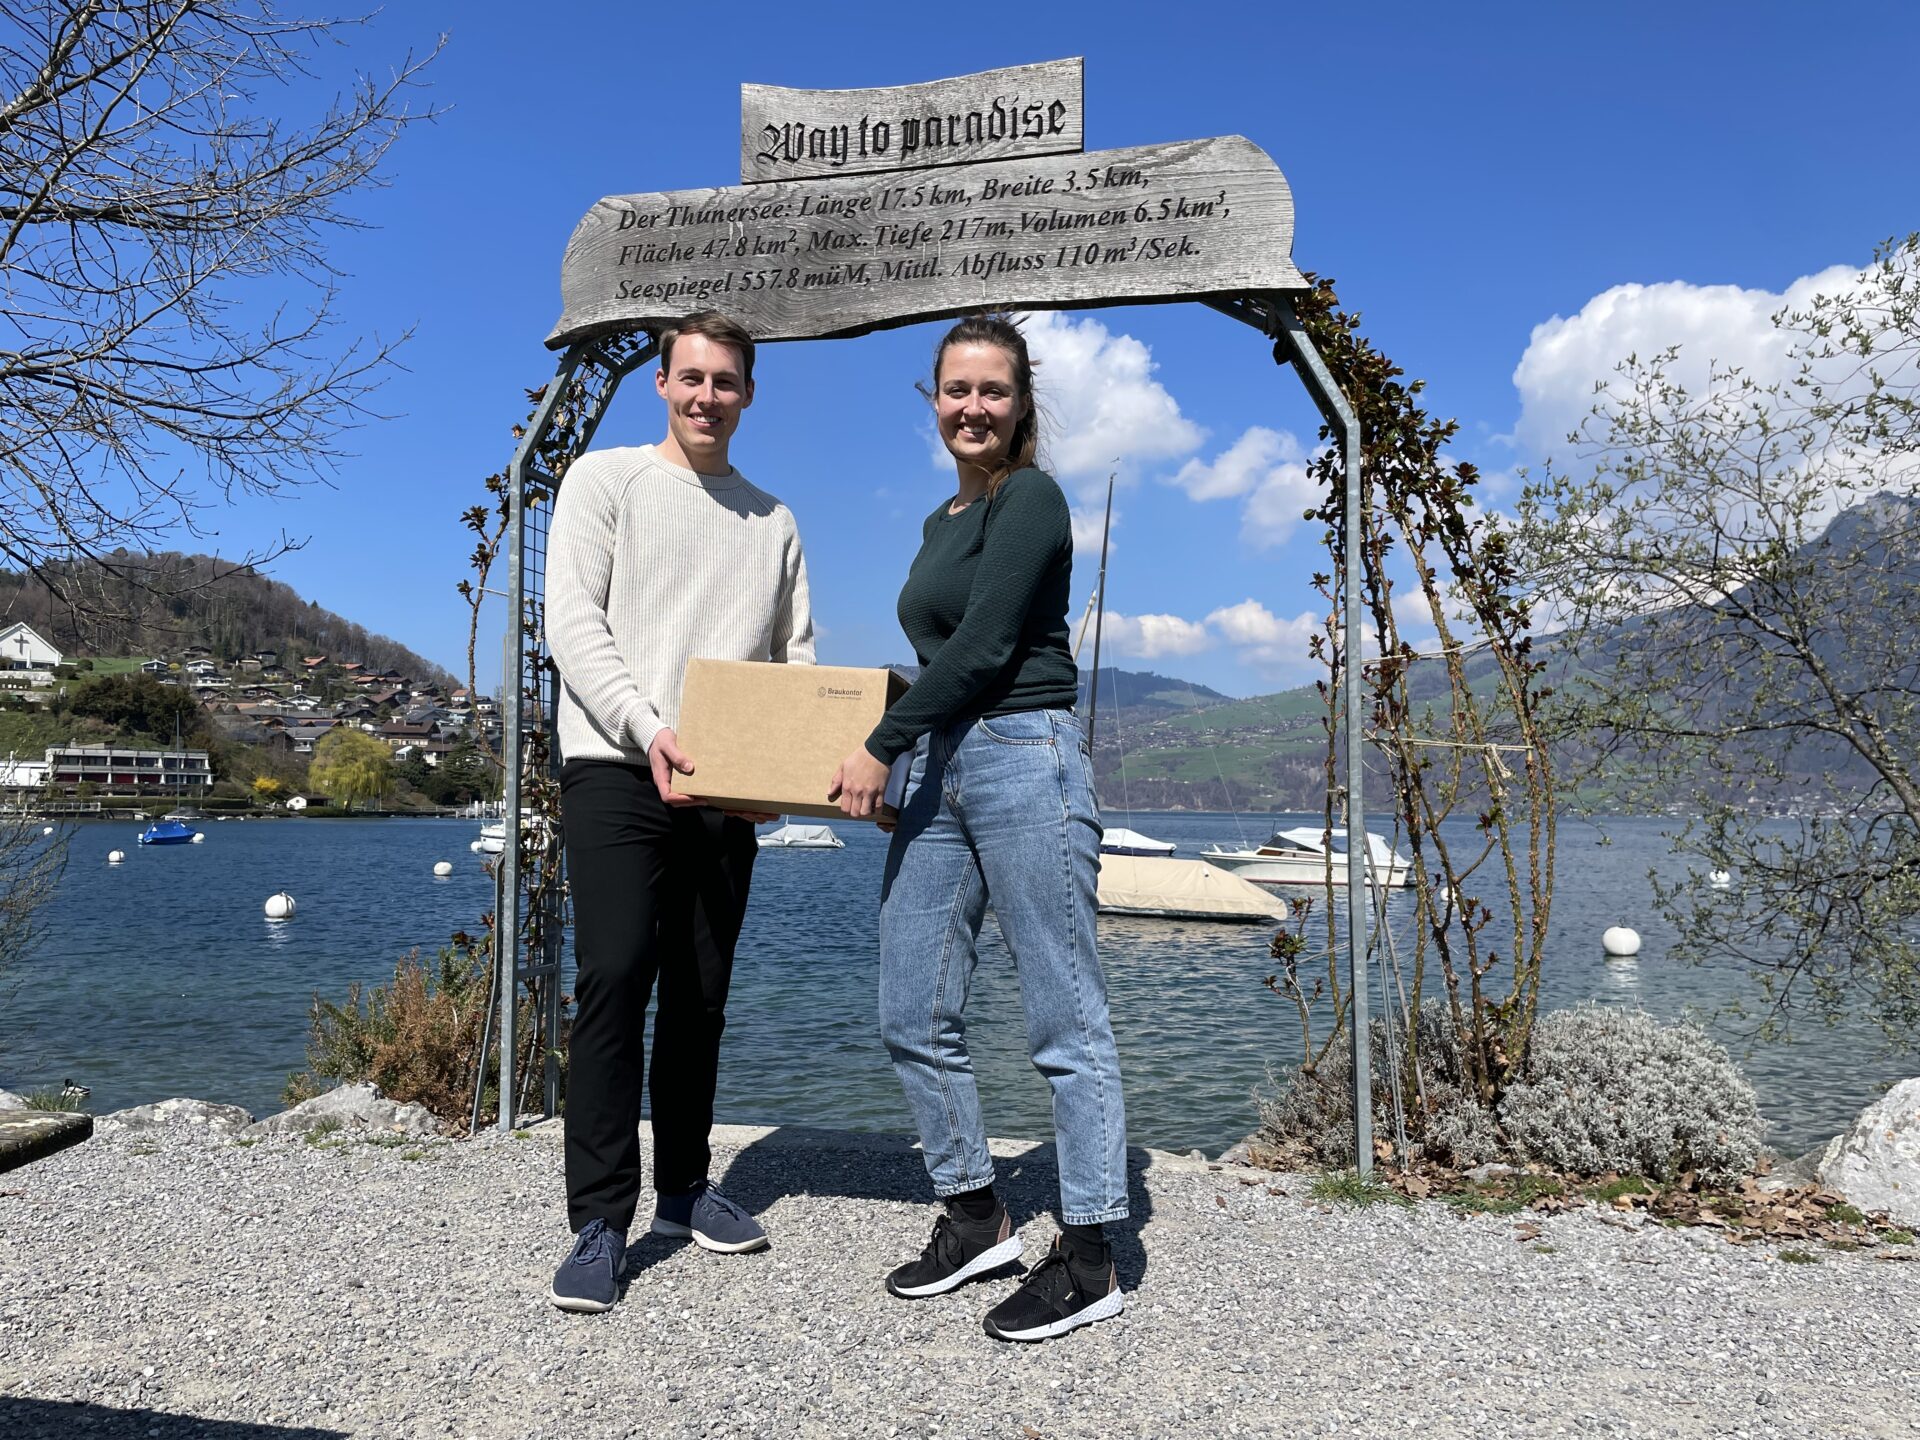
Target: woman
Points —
{"points": [[999, 811]]}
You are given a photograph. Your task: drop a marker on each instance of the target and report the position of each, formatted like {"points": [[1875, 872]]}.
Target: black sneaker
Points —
{"points": [[1051, 1302], [959, 1250]]}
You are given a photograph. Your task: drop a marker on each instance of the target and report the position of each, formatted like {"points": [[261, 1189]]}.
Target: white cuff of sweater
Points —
{"points": [[643, 726]]}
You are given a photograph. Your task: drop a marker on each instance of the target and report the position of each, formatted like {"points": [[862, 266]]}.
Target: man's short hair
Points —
{"points": [[718, 328]]}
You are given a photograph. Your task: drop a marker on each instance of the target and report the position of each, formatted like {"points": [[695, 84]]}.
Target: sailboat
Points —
{"points": [[1138, 875]]}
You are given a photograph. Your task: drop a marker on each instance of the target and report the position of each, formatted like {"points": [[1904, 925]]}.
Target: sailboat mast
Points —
{"points": [[1099, 615]]}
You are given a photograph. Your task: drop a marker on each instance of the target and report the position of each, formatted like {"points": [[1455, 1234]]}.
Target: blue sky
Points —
{"points": [[1501, 190]]}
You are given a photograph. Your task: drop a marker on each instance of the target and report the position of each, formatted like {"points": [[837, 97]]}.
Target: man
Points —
{"points": [[657, 554]]}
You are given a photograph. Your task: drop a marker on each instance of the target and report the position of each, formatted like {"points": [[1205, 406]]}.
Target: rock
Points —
{"points": [[1238, 1154], [1876, 1163], [351, 1107], [201, 1115], [1480, 1174], [11, 1101]]}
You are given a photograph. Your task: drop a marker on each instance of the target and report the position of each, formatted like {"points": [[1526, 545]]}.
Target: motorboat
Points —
{"points": [[168, 832], [1300, 857], [802, 837], [1166, 889], [493, 838], [1119, 840]]}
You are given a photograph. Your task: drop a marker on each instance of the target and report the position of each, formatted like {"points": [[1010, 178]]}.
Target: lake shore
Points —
{"points": [[167, 1283]]}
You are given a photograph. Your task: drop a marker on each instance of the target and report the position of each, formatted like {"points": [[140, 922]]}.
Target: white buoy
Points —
{"points": [[443, 867], [1719, 879], [1620, 941], [280, 906], [114, 857], [47, 831], [198, 837], [476, 847]]}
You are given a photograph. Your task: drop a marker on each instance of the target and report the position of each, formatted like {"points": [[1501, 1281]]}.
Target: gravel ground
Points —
{"points": [[161, 1284]]}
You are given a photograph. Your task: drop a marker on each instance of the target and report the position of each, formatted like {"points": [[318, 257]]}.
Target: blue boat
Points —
{"points": [[167, 832]]}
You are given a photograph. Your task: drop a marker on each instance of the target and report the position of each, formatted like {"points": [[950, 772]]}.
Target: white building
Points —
{"points": [[21, 648]]}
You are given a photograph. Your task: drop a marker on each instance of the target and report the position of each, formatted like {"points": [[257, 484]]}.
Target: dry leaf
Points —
{"points": [[1620, 1202], [1527, 1230], [1219, 1200], [1026, 1430]]}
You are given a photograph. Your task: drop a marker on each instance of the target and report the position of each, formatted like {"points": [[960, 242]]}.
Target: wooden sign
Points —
{"points": [[1024, 110], [801, 258]]}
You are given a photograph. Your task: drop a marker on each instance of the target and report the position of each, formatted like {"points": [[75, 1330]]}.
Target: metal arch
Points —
{"points": [[590, 373], [1274, 316], [563, 425]]}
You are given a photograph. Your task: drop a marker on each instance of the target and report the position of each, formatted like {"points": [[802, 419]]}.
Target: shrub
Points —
{"points": [[418, 1038], [1616, 1090], [1603, 1091], [1313, 1115]]}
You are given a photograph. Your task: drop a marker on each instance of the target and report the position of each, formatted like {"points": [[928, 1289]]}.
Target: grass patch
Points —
{"points": [[1799, 1257], [384, 1142], [1484, 1200], [414, 1155], [1846, 1245], [1626, 1185], [246, 1142], [1846, 1214], [1897, 1237], [522, 1134], [321, 1129], [52, 1099], [1545, 1250], [1347, 1188]]}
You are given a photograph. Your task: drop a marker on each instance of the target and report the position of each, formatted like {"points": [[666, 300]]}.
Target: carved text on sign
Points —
{"points": [[839, 256], [1024, 110]]}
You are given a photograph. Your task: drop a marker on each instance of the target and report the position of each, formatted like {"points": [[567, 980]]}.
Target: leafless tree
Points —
{"points": [[168, 336], [1738, 571]]}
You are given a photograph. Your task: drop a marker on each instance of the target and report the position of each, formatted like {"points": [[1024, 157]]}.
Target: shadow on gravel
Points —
{"points": [[59, 1419], [794, 1161]]}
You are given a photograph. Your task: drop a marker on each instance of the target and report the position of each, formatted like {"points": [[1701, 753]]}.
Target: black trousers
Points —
{"points": [[659, 893]]}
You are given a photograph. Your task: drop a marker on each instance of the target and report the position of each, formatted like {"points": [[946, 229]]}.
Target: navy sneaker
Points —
{"points": [[589, 1279], [1052, 1300], [959, 1250], [709, 1218]]}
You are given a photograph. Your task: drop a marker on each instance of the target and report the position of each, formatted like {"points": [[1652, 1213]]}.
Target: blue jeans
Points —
{"points": [[1000, 812]]}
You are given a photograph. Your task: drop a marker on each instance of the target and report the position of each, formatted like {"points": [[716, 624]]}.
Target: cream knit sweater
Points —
{"points": [[648, 566]]}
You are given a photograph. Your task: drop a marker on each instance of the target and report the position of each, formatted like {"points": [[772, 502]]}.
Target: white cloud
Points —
{"points": [[1264, 639], [1149, 637], [1103, 408], [1714, 324], [1088, 525], [1266, 469]]}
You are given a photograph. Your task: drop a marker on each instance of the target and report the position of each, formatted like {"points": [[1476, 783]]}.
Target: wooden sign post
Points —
{"points": [[864, 209]]}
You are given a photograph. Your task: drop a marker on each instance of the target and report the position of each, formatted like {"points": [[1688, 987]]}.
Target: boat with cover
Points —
{"points": [[1299, 857], [1119, 840], [1166, 889], [167, 832], [802, 837]]}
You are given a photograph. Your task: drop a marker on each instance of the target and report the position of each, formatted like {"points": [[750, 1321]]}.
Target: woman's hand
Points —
{"points": [[858, 785]]}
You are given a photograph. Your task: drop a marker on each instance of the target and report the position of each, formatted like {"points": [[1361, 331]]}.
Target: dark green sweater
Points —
{"points": [[985, 607]]}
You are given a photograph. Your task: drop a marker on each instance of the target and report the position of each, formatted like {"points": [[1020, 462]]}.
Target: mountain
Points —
{"points": [[1267, 752], [161, 604]]}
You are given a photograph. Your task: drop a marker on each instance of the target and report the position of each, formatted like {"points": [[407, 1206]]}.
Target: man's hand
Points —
{"points": [[858, 785], [667, 759]]}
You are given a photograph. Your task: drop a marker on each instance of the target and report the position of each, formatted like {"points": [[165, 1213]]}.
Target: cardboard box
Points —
{"points": [[768, 737]]}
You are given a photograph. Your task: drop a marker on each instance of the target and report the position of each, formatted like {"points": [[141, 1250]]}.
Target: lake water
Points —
{"points": [[161, 976]]}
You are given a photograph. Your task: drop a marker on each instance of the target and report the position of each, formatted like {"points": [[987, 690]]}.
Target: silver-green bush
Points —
{"points": [[1616, 1090], [1603, 1090], [1313, 1114]]}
